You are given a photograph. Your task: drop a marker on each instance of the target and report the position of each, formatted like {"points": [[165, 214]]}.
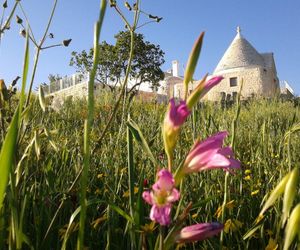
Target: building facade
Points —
{"points": [[241, 63]]}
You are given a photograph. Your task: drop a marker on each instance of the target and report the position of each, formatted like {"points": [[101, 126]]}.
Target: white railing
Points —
{"points": [[64, 83]]}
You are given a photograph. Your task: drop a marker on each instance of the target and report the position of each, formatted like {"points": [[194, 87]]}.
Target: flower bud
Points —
{"points": [[152, 17], [192, 62], [19, 20], [175, 117], [23, 32], [67, 42], [198, 232], [158, 19], [113, 3], [14, 82], [202, 88], [127, 5]]}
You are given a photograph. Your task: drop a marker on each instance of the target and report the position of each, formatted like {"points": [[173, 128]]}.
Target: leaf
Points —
{"points": [[42, 99], [49, 137], [137, 134], [292, 227], [37, 145], [24, 75], [278, 190], [289, 194], [251, 232], [7, 154]]}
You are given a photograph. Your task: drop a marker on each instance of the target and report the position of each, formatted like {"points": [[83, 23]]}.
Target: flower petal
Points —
{"points": [[198, 232], [147, 197]]}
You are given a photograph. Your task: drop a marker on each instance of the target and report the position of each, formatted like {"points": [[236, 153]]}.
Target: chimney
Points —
{"points": [[175, 68]]}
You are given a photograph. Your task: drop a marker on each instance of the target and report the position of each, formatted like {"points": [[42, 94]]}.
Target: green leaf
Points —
{"points": [[277, 191], [251, 232], [139, 207], [138, 135], [24, 75], [7, 154], [42, 99], [289, 194], [292, 227]]}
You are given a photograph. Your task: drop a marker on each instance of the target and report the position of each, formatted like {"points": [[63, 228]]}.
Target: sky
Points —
{"points": [[269, 25]]}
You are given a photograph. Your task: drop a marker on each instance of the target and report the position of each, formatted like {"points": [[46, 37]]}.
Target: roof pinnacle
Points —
{"points": [[238, 29]]}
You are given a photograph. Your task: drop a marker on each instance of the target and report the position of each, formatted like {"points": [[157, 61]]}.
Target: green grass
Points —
{"points": [[52, 158]]}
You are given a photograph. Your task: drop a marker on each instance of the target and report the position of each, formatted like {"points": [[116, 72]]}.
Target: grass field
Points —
{"points": [[50, 159]]}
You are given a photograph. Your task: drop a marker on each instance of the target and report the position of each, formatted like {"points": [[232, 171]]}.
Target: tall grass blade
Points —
{"points": [[138, 136], [289, 194], [292, 228], [279, 189], [42, 99], [9, 145], [88, 125], [130, 159], [7, 154]]}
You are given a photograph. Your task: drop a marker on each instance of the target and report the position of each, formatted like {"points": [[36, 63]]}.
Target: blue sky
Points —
{"points": [[269, 25]]}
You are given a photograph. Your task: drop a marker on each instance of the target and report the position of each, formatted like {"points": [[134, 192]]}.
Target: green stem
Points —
{"points": [[38, 49], [161, 238], [36, 60], [87, 128], [289, 152], [223, 208], [130, 180], [8, 19]]}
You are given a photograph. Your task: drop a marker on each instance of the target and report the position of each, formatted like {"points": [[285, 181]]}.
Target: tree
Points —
{"points": [[113, 61], [54, 78]]}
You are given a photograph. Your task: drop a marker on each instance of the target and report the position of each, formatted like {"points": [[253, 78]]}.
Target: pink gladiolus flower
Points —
{"points": [[211, 83], [177, 114], [175, 117], [198, 232], [210, 154], [161, 197], [202, 88]]}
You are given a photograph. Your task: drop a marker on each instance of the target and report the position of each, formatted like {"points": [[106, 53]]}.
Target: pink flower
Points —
{"points": [[211, 83], [177, 114], [198, 232], [202, 88], [175, 117], [210, 154], [161, 197]]}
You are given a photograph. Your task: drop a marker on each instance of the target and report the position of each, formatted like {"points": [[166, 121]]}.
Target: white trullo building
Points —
{"points": [[242, 63]]}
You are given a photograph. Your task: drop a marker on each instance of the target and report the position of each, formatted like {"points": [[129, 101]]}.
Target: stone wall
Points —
{"points": [[256, 81], [77, 91]]}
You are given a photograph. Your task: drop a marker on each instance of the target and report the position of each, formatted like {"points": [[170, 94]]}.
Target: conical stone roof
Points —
{"points": [[240, 53]]}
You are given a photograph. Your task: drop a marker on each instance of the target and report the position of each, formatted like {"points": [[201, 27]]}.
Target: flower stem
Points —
{"points": [[161, 238]]}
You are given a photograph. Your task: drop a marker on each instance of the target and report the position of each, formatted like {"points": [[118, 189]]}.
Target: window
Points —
{"points": [[233, 81]]}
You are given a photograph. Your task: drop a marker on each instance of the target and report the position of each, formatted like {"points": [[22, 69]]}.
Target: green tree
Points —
{"points": [[113, 60]]}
